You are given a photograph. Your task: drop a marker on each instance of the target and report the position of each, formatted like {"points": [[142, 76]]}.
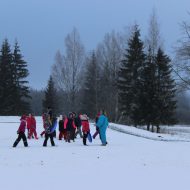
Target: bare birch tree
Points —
{"points": [[182, 60], [153, 40], [67, 68], [109, 54]]}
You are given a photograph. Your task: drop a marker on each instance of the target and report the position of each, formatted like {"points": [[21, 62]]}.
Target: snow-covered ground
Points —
{"points": [[128, 162], [175, 133]]}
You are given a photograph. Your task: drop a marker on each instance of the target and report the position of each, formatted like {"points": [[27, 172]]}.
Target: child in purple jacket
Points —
{"points": [[21, 132]]}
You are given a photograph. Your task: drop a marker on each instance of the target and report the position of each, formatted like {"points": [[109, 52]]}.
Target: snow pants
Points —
{"points": [[72, 134], [103, 135], [62, 134], [22, 136], [47, 136], [96, 133], [33, 132], [78, 132], [85, 135], [54, 134], [68, 136]]}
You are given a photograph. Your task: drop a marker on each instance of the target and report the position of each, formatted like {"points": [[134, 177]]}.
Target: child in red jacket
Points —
{"points": [[21, 132], [85, 127], [31, 122]]}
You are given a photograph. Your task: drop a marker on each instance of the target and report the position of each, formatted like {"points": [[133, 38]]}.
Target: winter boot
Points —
{"points": [[25, 143], [15, 143]]}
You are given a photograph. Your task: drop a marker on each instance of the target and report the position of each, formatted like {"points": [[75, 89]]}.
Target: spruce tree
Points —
{"points": [[50, 99], [165, 91], [148, 98], [7, 85], [22, 89], [90, 102], [129, 82]]}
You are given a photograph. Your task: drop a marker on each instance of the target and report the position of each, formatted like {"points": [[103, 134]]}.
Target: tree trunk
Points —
{"points": [[148, 127], [158, 129], [116, 108], [153, 128]]}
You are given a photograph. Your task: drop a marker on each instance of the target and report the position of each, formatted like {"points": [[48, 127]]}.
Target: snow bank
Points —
{"points": [[149, 135]]}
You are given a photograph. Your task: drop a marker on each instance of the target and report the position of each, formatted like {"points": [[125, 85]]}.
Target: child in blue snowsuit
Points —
{"points": [[102, 124]]}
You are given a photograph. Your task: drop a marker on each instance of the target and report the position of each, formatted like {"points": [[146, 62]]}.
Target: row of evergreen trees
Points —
{"points": [[14, 90], [146, 90]]}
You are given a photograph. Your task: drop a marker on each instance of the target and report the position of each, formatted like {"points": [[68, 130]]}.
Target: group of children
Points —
{"points": [[69, 127]]}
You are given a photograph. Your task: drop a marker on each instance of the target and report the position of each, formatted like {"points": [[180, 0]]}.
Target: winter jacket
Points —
{"points": [[27, 121], [22, 126], [102, 122], [31, 122], [61, 125], [54, 125], [46, 121], [85, 126], [51, 128], [77, 121], [69, 124]]}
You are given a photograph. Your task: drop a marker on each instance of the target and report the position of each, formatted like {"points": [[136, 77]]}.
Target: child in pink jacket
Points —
{"points": [[21, 132]]}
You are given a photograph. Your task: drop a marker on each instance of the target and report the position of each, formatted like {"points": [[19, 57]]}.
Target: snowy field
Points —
{"points": [[127, 163], [175, 133]]}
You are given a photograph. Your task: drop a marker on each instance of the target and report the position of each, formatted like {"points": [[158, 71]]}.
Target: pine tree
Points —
{"points": [[165, 91], [22, 90], [129, 82], [147, 104], [90, 102], [7, 86], [50, 99]]}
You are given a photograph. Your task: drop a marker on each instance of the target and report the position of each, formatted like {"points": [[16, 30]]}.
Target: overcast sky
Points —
{"points": [[40, 26]]}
